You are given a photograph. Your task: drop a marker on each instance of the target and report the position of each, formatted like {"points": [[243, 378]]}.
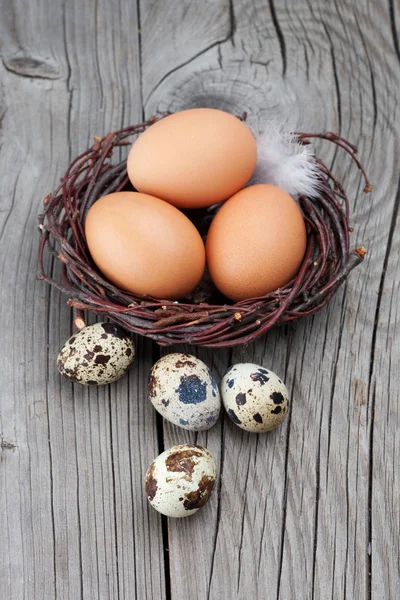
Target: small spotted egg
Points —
{"points": [[180, 480], [255, 398], [184, 391], [97, 354]]}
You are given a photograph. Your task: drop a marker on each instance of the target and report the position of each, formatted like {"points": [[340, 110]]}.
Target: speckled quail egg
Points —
{"points": [[255, 398], [97, 354], [180, 480], [184, 391]]}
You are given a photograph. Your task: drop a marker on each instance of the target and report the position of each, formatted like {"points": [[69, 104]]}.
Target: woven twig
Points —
{"points": [[327, 262]]}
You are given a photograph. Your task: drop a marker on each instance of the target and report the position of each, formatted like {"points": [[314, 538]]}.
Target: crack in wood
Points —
{"points": [[280, 36], [395, 36], [372, 390], [49, 295], [184, 64], [78, 498], [219, 508], [114, 494], [285, 495]]}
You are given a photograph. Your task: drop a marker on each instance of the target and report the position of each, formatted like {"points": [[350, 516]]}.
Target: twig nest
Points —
{"points": [[184, 391], [256, 399], [203, 319], [97, 354], [180, 480]]}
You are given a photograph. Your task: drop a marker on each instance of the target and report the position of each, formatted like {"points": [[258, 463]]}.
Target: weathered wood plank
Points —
{"points": [[294, 506], [178, 32], [192, 540], [74, 520], [309, 511]]}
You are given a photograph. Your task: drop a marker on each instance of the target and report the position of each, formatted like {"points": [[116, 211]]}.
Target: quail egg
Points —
{"points": [[180, 480], [97, 354], [184, 391], [255, 398]]}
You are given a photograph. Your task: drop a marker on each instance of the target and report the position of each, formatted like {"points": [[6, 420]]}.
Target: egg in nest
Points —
{"points": [[144, 245], [256, 242], [193, 158]]}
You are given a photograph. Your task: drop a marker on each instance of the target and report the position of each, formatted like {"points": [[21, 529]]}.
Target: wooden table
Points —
{"points": [[310, 511]]}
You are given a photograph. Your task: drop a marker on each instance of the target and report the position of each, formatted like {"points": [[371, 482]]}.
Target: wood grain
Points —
{"points": [[74, 518], [296, 508], [310, 511]]}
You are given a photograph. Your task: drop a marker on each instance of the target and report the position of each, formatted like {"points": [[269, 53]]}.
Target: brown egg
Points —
{"points": [[194, 158], [256, 242], [145, 245]]}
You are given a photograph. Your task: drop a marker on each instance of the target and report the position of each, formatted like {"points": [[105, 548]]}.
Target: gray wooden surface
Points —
{"points": [[310, 511]]}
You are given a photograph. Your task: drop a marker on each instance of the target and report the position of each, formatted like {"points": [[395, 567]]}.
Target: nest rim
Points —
{"points": [[327, 262]]}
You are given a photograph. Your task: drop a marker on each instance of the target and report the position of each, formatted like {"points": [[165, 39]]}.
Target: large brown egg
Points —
{"points": [[194, 158], [256, 242], [144, 245]]}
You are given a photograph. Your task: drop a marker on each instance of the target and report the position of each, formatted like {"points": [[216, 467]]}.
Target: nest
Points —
{"points": [[203, 319]]}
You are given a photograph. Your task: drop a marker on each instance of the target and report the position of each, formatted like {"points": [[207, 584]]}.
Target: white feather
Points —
{"points": [[283, 162]]}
